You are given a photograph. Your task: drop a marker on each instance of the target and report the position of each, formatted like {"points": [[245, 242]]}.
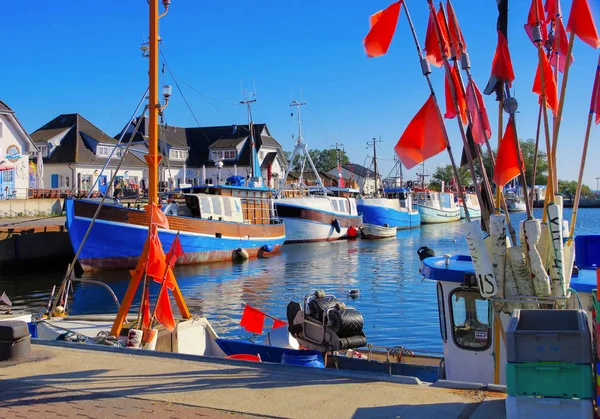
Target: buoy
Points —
{"points": [[134, 338], [336, 225], [481, 260], [268, 248], [241, 253], [352, 232], [354, 293]]}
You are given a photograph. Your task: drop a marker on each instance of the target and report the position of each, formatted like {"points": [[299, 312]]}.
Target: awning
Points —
{"points": [[6, 168]]}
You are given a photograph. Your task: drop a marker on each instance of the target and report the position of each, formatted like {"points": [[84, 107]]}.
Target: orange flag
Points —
{"points": [[423, 137], [454, 28], [433, 53], [164, 313], [561, 45], [175, 252], [550, 82], [157, 266], [462, 105], [253, 320], [158, 217], [582, 24], [146, 311], [502, 64], [480, 127], [383, 26], [533, 18], [507, 162]]}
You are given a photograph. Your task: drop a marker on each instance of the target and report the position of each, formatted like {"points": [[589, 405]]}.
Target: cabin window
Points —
{"points": [[469, 313], [335, 205], [86, 182], [342, 206], [227, 207], [205, 201], [442, 312], [217, 210]]}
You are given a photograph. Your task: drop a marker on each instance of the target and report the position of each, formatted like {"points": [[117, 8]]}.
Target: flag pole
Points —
{"points": [[426, 72], [584, 153], [466, 66], [162, 285], [535, 151]]}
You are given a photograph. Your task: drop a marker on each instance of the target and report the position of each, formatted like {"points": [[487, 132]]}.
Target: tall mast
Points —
{"points": [[248, 102], [374, 141]]}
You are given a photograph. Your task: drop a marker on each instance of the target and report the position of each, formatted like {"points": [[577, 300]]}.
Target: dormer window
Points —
{"points": [[41, 148], [104, 151], [223, 155], [180, 155]]}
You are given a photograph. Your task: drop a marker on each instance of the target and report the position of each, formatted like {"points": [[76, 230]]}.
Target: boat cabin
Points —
{"points": [[402, 194], [428, 199]]}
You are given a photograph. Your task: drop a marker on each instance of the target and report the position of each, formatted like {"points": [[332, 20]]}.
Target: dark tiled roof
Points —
{"points": [[4, 107], [73, 147], [269, 158], [227, 143], [359, 170]]}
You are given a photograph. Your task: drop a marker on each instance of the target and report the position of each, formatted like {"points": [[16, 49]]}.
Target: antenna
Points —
{"points": [[248, 100], [374, 142]]}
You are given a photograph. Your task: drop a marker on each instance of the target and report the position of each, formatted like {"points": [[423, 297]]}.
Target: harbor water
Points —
{"points": [[398, 306]]}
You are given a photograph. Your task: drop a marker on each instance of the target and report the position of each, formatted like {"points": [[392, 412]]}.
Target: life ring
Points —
{"points": [[336, 225]]}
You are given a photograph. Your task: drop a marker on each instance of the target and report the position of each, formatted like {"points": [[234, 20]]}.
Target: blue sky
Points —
{"points": [[74, 56]]}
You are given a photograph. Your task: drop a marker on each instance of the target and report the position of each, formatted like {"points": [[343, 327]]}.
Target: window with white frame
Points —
{"points": [[180, 155], [7, 176], [86, 182], [102, 151], [223, 155]]}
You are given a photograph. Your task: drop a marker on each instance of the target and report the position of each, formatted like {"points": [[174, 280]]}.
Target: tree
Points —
{"points": [[324, 160], [568, 188], [528, 150], [446, 174]]}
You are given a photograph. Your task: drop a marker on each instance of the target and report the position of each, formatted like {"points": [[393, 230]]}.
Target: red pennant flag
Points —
{"points": [[423, 137], [502, 64], [561, 45], [595, 105], [582, 24], [480, 127], [534, 17], [253, 320], [432, 46], [450, 110], [453, 27], [164, 314], [159, 218], [156, 266], [383, 26], [278, 323], [507, 162], [146, 311], [341, 182], [550, 83], [175, 252]]}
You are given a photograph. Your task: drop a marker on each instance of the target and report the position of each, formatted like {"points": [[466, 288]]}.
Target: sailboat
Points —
{"points": [[313, 213], [214, 222], [380, 210]]}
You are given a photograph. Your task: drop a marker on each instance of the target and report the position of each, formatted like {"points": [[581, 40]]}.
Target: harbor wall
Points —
{"points": [[30, 207]]}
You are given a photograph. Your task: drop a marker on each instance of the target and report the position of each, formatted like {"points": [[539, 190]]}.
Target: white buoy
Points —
{"points": [[541, 281], [557, 274], [498, 249], [481, 260], [134, 338], [510, 286], [543, 246], [521, 271], [241, 253], [569, 261]]}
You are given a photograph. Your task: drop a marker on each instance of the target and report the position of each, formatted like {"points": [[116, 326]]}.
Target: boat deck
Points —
{"points": [[107, 376]]}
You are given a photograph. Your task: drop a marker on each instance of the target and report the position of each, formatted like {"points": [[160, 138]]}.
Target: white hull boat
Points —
{"points": [[372, 231]]}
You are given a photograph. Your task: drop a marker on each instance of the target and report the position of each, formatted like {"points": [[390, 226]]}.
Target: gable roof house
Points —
{"points": [[191, 156], [74, 152], [15, 146], [355, 173]]}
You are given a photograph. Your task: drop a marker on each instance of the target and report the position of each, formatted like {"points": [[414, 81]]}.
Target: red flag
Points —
{"points": [[146, 310], [164, 314], [480, 127], [432, 46], [158, 217], [552, 9], [502, 64], [550, 83], [534, 17], [595, 105], [582, 24], [462, 105], [454, 29], [156, 266], [253, 320], [507, 162], [278, 323], [561, 45], [383, 26], [175, 252], [423, 137]]}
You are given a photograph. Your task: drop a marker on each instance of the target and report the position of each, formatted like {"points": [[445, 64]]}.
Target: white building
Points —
{"points": [[74, 152], [364, 177], [15, 146]]}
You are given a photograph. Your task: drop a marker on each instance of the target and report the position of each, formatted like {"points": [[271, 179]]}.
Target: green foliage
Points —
{"points": [[528, 149], [568, 188], [446, 174], [324, 160]]}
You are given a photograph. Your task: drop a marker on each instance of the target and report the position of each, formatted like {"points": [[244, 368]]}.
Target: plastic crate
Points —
{"points": [[595, 308], [547, 408], [588, 251], [550, 380], [549, 336]]}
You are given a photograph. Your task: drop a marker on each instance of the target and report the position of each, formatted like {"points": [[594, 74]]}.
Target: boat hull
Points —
{"points": [[370, 231], [383, 214], [306, 225], [473, 212], [431, 215], [117, 238]]}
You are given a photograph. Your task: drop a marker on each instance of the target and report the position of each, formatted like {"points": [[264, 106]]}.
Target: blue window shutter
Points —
{"points": [[54, 181]]}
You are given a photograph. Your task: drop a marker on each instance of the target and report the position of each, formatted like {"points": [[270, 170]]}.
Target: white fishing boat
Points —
{"points": [[373, 231], [313, 213], [472, 206], [436, 207]]}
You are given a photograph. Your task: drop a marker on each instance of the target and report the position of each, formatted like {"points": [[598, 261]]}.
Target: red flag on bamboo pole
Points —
{"points": [[146, 310], [502, 70], [175, 252], [163, 311], [582, 23], [550, 84], [423, 137], [533, 18], [561, 45], [382, 28], [480, 128], [158, 217], [453, 27], [595, 104], [253, 320], [507, 161], [433, 52], [460, 98], [156, 266]]}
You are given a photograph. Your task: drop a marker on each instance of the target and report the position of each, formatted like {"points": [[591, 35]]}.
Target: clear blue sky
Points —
{"points": [[78, 56]]}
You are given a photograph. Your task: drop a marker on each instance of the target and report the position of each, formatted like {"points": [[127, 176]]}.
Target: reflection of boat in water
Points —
{"points": [[472, 205], [436, 207], [371, 231]]}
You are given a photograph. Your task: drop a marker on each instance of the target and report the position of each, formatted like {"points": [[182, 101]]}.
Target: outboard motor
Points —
{"points": [[325, 324]]}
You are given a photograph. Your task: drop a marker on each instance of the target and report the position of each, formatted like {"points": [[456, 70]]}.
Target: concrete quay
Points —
{"points": [[82, 381]]}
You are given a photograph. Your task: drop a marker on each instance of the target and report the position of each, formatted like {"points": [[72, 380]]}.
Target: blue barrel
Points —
{"points": [[32, 329], [304, 358]]}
